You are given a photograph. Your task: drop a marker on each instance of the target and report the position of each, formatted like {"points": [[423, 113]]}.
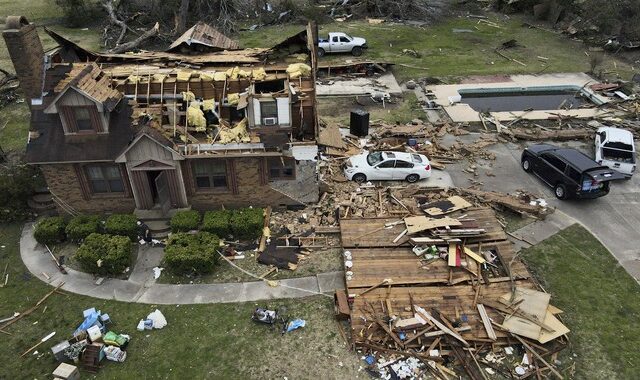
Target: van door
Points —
{"points": [[551, 168]]}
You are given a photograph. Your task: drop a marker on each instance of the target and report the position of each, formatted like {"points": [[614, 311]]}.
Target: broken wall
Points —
{"points": [[305, 187]]}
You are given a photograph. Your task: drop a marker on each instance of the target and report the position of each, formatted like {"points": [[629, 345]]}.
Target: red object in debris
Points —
{"points": [[604, 86], [458, 256]]}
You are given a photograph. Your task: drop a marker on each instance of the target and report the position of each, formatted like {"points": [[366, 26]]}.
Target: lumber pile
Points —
{"points": [[429, 298], [522, 203]]}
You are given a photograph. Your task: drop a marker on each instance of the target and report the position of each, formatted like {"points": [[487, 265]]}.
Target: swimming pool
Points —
{"points": [[520, 99]]}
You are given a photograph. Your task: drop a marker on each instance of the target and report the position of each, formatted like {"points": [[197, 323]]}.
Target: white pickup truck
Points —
{"points": [[339, 42], [615, 148]]}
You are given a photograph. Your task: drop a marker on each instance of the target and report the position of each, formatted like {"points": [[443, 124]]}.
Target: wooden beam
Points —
{"points": [[425, 314], [486, 322]]}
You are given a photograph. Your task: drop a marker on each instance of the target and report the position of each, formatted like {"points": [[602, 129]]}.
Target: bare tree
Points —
{"points": [[182, 16]]}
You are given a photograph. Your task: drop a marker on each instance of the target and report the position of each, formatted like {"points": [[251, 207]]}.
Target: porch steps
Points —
{"points": [[42, 203], [159, 228]]}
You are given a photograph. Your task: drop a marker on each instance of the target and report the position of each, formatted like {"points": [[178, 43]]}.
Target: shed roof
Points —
{"points": [[206, 35]]}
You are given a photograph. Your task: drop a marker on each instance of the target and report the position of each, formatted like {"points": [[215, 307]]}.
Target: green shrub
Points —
{"points": [[123, 225], [184, 221], [50, 230], [247, 223], [104, 254], [17, 185], [217, 222], [82, 226], [191, 253]]}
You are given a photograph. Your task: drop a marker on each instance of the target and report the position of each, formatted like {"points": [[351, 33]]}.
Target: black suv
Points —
{"points": [[571, 173]]}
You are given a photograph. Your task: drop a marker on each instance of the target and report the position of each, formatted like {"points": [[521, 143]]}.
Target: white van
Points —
{"points": [[615, 148]]}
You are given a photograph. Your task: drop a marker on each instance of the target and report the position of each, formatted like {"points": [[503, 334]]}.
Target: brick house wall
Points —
{"points": [[63, 182], [248, 187]]}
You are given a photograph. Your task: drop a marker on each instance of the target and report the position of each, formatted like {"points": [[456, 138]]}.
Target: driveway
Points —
{"points": [[614, 219]]}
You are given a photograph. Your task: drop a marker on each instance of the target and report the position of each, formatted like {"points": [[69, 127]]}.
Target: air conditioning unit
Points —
{"points": [[270, 121]]}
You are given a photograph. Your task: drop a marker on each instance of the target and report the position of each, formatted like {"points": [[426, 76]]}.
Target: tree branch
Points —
{"points": [[132, 44]]}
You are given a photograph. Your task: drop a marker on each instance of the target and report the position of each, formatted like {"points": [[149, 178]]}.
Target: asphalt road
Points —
{"points": [[614, 219]]}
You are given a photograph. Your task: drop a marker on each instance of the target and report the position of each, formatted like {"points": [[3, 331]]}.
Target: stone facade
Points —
{"points": [[252, 189], [64, 183]]}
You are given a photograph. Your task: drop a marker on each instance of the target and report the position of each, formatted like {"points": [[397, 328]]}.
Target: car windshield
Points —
{"points": [[374, 158]]}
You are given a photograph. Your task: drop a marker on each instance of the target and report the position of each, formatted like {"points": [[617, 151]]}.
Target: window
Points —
{"points": [[555, 162], [387, 164], [403, 164], [83, 118], [335, 39], [573, 174], [281, 168], [210, 174], [268, 109], [104, 179], [344, 39]]}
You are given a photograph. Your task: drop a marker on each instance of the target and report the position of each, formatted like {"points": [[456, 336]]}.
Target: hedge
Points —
{"points": [[184, 221], [247, 223], [17, 184], [82, 226], [123, 225], [217, 223], [50, 230], [191, 253], [104, 254]]}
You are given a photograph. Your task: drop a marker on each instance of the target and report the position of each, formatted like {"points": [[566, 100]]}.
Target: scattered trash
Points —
{"points": [[156, 272], [157, 319], [295, 324]]}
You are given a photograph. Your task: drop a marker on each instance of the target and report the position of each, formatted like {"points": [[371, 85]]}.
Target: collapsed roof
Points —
{"points": [[202, 37]]}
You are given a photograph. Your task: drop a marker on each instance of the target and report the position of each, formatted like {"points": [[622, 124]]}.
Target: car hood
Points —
{"points": [[359, 41]]}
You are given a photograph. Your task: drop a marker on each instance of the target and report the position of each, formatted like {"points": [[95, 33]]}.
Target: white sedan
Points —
{"points": [[372, 166]]}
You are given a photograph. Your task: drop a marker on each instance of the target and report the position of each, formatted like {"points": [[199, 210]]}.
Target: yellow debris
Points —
{"points": [[266, 232], [233, 73], [159, 77], [296, 70], [207, 76], [133, 79], [233, 99], [195, 118], [188, 96], [273, 283], [299, 57], [259, 74], [236, 134], [184, 75], [208, 104], [244, 74], [220, 76]]}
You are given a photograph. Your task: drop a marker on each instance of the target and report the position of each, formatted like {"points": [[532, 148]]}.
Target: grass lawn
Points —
{"points": [[601, 303], [318, 261], [405, 109], [201, 341]]}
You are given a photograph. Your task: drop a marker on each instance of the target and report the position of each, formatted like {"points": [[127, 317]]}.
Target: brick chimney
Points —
{"points": [[26, 54]]}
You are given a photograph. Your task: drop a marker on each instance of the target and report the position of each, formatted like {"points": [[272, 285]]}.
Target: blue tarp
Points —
{"points": [[90, 320]]}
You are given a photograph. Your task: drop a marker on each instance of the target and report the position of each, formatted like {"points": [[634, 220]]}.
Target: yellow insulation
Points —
{"points": [[297, 70], [237, 134], [195, 118]]}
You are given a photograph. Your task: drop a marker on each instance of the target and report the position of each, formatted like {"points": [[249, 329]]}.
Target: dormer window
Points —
{"points": [[83, 119]]}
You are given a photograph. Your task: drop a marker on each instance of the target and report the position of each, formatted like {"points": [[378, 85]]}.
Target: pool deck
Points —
{"points": [[461, 113]]}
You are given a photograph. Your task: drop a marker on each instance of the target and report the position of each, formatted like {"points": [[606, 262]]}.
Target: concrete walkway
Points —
{"points": [[141, 286]]}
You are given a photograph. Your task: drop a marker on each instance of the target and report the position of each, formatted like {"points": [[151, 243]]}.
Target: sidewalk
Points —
{"points": [[141, 287]]}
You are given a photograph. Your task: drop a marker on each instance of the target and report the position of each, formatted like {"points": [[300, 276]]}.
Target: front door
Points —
{"points": [[162, 189]]}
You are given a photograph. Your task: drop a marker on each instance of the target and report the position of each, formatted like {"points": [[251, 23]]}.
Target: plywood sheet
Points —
{"points": [[446, 206], [417, 224]]}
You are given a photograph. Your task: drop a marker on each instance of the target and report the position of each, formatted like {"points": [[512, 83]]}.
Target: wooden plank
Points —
{"points": [[474, 256], [425, 314], [452, 257], [558, 327], [417, 224], [486, 322]]}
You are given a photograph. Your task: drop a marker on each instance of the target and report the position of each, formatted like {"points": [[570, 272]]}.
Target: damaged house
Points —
{"points": [[188, 127]]}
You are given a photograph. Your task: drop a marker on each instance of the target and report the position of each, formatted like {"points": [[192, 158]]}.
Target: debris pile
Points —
{"points": [[442, 290]]}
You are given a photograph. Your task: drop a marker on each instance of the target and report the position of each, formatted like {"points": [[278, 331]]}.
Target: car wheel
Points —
{"points": [[359, 177], [561, 191], [413, 178], [321, 52], [526, 164], [356, 51]]}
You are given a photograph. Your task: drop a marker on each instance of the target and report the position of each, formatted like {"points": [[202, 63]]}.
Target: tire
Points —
{"points": [[359, 177], [356, 51], [413, 178], [321, 52], [560, 191], [526, 164]]}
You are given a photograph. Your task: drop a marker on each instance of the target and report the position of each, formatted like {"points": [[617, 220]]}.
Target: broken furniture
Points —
{"points": [[66, 372]]}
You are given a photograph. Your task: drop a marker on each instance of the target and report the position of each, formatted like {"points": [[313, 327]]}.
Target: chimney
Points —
{"points": [[26, 54]]}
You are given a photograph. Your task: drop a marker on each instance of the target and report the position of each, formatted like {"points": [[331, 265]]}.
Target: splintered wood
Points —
{"points": [[453, 295]]}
